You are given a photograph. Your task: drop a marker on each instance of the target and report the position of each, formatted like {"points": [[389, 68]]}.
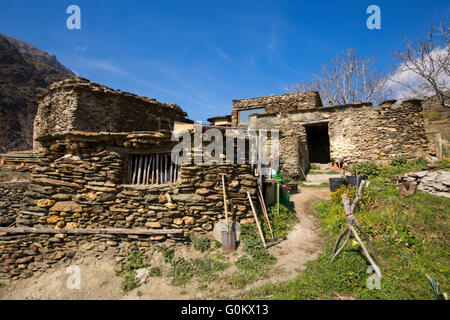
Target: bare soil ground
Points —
{"points": [[98, 280]]}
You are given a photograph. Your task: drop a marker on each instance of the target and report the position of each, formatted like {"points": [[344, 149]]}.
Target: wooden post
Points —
{"points": [[157, 169], [438, 145], [166, 174], [144, 173], [153, 168], [24, 230], [256, 220]]}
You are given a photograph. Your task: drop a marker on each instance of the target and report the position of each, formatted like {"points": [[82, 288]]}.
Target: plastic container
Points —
{"points": [[286, 200], [336, 183], [278, 176], [351, 181]]}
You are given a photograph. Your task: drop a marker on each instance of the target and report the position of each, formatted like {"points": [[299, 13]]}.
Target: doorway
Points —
{"points": [[318, 143]]}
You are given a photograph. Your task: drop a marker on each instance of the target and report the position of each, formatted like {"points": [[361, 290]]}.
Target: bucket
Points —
{"points": [[335, 183], [351, 180]]}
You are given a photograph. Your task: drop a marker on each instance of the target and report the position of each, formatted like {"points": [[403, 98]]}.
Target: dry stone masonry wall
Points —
{"points": [[277, 103], [357, 132], [11, 196], [79, 104]]}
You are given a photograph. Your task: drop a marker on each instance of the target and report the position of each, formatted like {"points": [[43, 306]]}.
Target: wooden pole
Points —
{"points": [[153, 168], [166, 173], [256, 220], [139, 178], [264, 209], [438, 145], [157, 169], [22, 230], [145, 169]]}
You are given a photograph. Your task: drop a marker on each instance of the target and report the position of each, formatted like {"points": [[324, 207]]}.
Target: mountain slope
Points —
{"points": [[23, 70]]}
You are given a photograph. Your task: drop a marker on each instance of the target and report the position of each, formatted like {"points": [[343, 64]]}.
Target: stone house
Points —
{"points": [[311, 133], [106, 178]]}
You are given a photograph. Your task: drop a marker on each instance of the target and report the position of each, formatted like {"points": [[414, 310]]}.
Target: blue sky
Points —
{"points": [[203, 54]]}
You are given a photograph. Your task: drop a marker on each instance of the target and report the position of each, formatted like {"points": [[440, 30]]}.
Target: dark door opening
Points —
{"points": [[318, 143]]}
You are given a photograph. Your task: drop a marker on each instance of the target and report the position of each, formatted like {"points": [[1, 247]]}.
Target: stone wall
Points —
{"points": [[277, 103], [24, 255], [79, 184], [11, 196], [357, 132], [78, 104]]}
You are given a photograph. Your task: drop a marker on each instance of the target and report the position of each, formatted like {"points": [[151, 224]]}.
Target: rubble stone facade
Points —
{"points": [[357, 132]]}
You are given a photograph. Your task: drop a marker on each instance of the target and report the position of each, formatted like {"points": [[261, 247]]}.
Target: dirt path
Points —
{"points": [[99, 282], [303, 243]]}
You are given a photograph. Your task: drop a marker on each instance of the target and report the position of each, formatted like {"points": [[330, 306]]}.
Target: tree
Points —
{"points": [[347, 79], [424, 66]]}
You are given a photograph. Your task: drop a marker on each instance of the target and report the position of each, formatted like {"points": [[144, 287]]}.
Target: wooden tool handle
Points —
{"points": [[256, 220]]}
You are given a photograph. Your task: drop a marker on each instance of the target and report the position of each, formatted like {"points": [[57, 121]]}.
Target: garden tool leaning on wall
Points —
{"points": [[229, 235], [350, 228]]}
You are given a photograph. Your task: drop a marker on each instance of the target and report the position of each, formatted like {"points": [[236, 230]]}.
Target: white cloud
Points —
{"points": [[415, 81]]}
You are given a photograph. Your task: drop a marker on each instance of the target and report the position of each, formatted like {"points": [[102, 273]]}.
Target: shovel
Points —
{"points": [[228, 236]]}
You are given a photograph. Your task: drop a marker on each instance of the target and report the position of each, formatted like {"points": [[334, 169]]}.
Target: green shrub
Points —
{"points": [[421, 162], [399, 161], [259, 257], [368, 170], [206, 269], [444, 163], [168, 255], [281, 222], [155, 272], [201, 243], [128, 271]]}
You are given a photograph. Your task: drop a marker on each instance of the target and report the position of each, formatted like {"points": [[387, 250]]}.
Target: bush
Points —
{"points": [[282, 222], [259, 257], [128, 271], [444, 163], [366, 169], [399, 161], [201, 243]]}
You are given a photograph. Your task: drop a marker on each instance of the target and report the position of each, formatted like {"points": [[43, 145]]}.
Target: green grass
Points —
{"points": [[184, 270], [410, 236], [282, 222], [201, 243], [301, 184], [255, 264], [320, 172], [128, 271]]}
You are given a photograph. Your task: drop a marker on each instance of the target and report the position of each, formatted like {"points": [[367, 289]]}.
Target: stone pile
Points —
{"points": [[433, 182]]}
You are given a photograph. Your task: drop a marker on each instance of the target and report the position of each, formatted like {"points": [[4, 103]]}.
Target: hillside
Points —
{"points": [[23, 70]]}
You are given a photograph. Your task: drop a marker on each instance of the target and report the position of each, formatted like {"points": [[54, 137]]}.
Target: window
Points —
{"points": [[243, 114], [148, 169]]}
